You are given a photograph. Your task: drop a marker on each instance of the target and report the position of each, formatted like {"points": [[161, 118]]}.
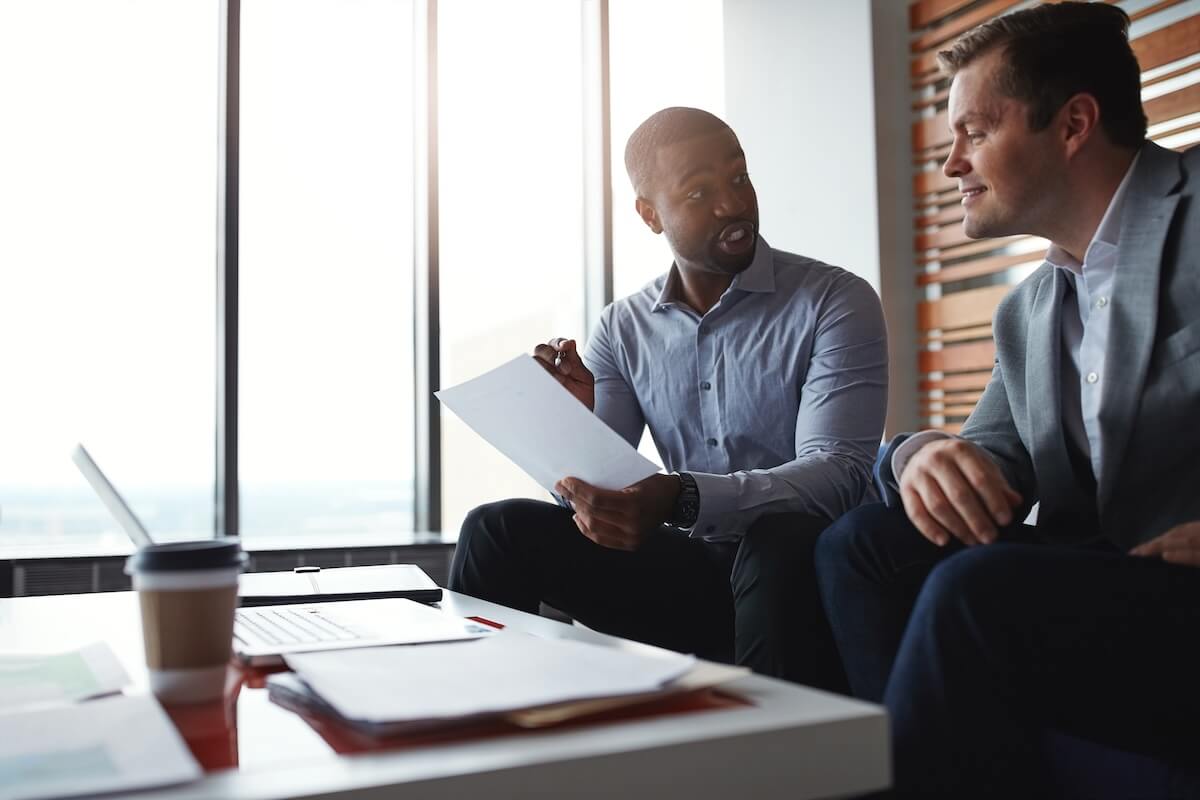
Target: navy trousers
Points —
{"points": [[977, 651], [753, 602]]}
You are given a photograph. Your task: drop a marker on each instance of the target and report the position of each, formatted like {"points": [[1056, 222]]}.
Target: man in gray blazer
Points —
{"points": [[976, 631]]}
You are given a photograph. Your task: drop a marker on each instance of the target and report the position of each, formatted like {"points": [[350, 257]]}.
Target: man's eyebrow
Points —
{"points": [[735, 155], [968, 117]]}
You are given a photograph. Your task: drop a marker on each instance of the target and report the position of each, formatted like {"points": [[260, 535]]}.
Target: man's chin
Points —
{"points": [[730, 264]]}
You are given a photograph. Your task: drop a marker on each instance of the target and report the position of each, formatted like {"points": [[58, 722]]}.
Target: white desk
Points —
{"points": [[788, 742]]}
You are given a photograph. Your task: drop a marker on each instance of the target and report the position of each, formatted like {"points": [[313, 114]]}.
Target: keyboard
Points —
{"points": [[284, 626]]}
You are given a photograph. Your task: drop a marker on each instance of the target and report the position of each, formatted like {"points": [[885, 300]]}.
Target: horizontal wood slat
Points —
{"points": [[932, 100], [947, 236], [1167, 44], [931, 132], [933, 181], [959, 335], [964, 22], [1154, 9], [960, 309], [1174, 131], [949, 214], [927, 12], [1176, 104], [954, 383], [972, 356], [974, 248], [924, 65], [975, 269]]}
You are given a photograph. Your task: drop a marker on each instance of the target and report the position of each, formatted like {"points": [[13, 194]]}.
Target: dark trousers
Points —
{"points": [[976, 651], [754, 602]]}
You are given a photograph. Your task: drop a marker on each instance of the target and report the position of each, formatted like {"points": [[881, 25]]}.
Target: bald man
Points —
{"points": [[762, 377]]}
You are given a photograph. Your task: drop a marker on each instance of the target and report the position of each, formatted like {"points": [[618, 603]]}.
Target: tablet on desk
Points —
{"points": [[316, 585]]}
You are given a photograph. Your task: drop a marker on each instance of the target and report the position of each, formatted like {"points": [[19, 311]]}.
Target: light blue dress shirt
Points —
{"points": [[1085, 322], [774, 400]]}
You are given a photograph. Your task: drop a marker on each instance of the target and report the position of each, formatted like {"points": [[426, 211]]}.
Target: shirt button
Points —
{"points": [[712, 442], [706, 386], [1092, 377], [1102, 302]]}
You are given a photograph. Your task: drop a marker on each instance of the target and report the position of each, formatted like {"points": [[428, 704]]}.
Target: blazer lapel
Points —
{"points": [[1043, 393], [1146, 219]]}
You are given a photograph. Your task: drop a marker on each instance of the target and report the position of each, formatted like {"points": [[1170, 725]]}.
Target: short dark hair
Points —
{"points": [[669, 126], [1055, 51]]}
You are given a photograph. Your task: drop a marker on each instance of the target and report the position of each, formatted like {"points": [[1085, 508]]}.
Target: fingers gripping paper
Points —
{"points": [[526, 415]]}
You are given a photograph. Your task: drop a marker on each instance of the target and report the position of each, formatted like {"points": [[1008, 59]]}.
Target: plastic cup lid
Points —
{"points": [[182, 556]]}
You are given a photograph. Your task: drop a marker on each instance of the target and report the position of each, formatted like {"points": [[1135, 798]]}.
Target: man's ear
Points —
{"points": [[648, 214], [1079, 118]]}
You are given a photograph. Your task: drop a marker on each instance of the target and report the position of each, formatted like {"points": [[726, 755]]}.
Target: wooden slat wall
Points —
{"points": [[964, 280]]}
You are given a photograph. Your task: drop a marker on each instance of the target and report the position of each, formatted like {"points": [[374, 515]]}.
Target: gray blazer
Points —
{"points": [[1150, 403]]}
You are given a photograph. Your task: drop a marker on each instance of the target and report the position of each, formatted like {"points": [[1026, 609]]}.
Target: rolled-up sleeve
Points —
{"points": [[843, 404]]}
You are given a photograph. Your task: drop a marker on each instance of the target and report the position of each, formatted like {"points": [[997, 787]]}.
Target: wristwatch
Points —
{"points": [[687, 505]]}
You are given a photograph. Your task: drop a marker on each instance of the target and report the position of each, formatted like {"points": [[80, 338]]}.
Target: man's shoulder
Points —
{"points": [[1017, 305], [640, 302], [810, 277]]}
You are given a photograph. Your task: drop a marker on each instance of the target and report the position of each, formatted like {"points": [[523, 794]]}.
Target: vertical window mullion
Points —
{"points": [[225, 520], [427, 470], [597, 171]]}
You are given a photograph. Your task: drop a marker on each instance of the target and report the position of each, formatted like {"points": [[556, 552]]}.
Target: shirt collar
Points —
{"points": [[1108, 232], [758, 277]]}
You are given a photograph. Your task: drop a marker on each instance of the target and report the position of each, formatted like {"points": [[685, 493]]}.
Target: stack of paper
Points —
{"points": [[53, 745], [528, 680]]}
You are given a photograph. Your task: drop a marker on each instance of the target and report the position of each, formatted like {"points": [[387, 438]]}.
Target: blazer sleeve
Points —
{"points": [[991, 427]]}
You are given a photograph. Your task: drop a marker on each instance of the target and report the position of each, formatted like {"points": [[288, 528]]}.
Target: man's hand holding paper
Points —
{"points": [[525, 415]]}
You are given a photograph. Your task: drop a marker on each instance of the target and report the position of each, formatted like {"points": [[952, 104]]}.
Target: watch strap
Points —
{"points": [[687, 505]]}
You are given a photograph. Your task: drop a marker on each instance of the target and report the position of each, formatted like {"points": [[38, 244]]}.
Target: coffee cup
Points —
{"points": [[187, 592]]}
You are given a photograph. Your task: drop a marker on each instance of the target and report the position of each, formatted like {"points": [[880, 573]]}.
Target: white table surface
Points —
{"points": [[788, 741]]}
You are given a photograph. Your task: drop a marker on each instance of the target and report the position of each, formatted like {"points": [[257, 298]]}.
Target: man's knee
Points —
{"points": [[857, 536], [482, 539], [967, 586]]}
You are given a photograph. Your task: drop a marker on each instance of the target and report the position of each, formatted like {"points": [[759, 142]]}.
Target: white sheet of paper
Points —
{"points": [[104, 745], [27, 679], [526, 415], [502, 672]]}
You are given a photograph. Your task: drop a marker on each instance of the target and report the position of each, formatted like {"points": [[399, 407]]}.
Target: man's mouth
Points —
{"points": [[969, 193], [736, 237]]}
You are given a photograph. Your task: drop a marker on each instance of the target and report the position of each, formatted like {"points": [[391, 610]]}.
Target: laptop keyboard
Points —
{"points": [[288, 626]]}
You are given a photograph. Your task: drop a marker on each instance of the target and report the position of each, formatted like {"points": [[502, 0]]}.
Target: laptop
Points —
{"points": [[262, 635]]}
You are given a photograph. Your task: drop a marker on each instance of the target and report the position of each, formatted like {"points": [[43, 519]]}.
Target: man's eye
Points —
{"points": [[974, 137], [695, 194], [742, 179]]}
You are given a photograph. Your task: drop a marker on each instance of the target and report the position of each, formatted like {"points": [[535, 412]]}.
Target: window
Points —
{"points": [[110, 182], [326, 268], [511, 210], [665, 53], [108, 172]]}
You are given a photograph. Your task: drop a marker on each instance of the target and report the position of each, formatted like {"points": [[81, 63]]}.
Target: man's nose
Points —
{"points": [[956, 165], [730, 204]]}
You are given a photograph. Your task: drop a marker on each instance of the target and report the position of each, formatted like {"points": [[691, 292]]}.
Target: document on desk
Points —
{"points": [[526, 415], [499, 673], [110, 744], [27, 679]]}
